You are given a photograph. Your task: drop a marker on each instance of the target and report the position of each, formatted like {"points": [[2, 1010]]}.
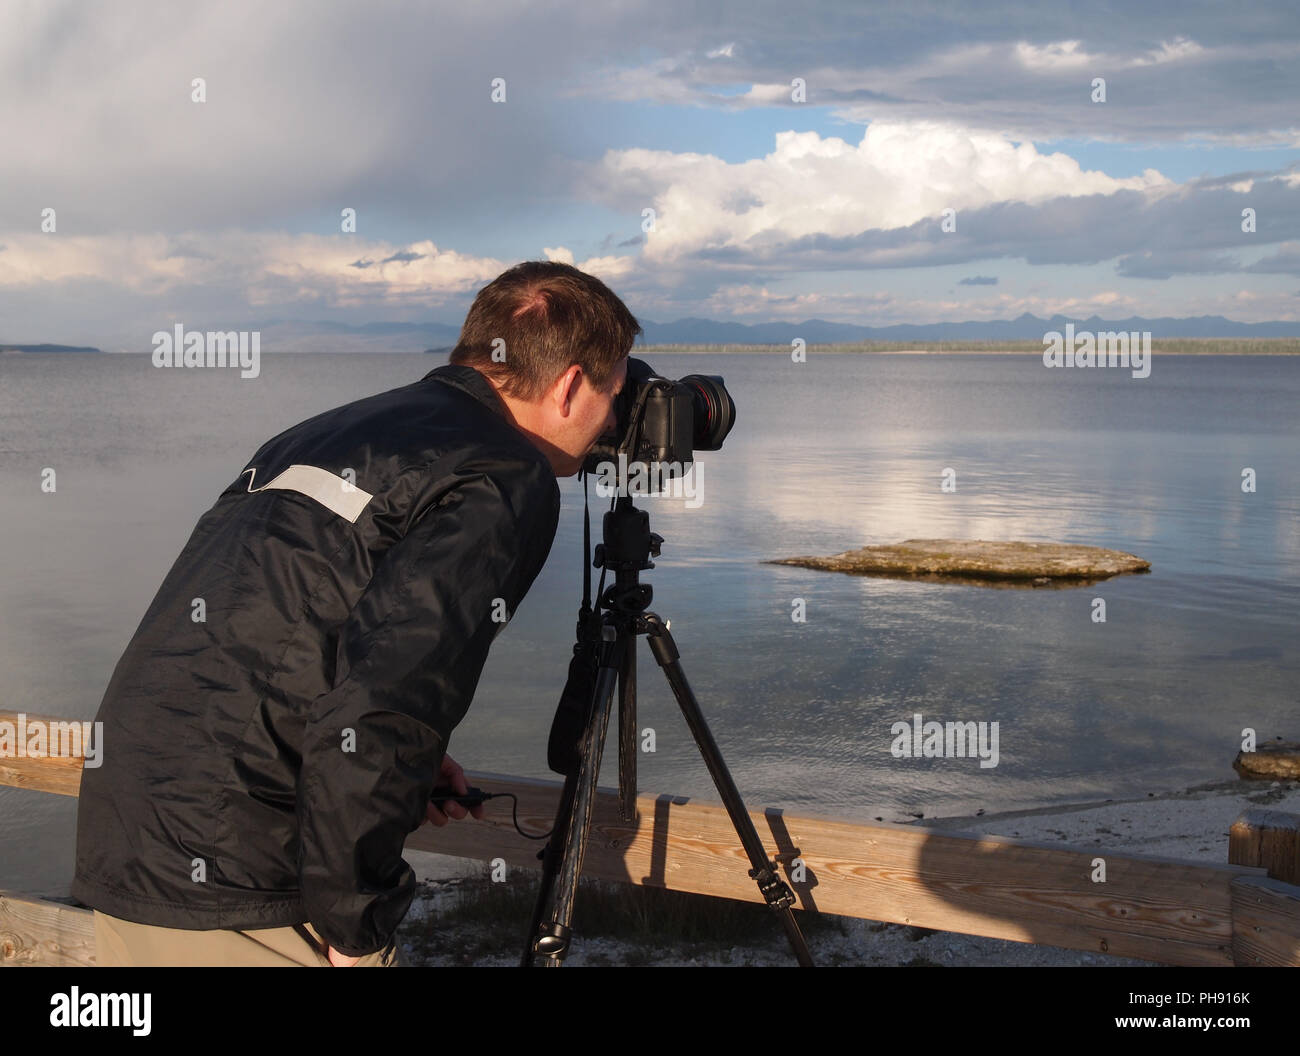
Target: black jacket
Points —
{"points": [[274, 728]]}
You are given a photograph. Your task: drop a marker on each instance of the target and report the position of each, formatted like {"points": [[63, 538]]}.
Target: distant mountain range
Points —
{"points": [[293, 335], [1024, 328], [11, 349], [439, 337]]}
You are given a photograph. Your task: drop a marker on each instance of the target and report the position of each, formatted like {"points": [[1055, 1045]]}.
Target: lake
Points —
{"points": [[828, 454]]}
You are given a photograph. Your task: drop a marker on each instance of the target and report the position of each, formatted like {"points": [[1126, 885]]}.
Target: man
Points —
{"points": [[277, 723]]}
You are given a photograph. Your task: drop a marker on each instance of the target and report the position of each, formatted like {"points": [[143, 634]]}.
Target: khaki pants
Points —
{"points": [[125, 944]]}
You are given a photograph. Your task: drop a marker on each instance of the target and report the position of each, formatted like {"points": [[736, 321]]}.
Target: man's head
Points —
{"points": [[554, 342]]}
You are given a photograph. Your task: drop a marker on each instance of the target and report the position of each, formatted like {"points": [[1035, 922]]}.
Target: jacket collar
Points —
{"points": [[469, 380]]}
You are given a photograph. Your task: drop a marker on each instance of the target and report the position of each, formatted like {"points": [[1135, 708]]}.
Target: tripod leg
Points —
{"points": [[627, 734], [775, 891], [554, 912], [550, 863]]}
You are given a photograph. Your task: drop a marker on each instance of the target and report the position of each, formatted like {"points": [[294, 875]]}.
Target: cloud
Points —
{"points": [[1164, 264], [1069, 55], [311, 108], [268, 268], [978, 280], [1286, 261], [881, 206], [1177, 50], [1062, 55], [898, 175], [263, 267], [605, 268], [1025, 72], [311, 114], [234, 204]]}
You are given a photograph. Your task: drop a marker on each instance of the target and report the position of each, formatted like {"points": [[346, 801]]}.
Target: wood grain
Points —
{"points": [[37, 933], [1264, 915], [59, 775]]}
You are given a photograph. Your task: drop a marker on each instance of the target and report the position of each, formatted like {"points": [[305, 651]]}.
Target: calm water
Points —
{"points": [[827, 455]]}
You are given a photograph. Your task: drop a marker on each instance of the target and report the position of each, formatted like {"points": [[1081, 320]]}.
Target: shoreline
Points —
{"points": [[1190, 823]]}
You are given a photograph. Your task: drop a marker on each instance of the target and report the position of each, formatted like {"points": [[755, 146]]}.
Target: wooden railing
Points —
{"points": [[1243, 912]]}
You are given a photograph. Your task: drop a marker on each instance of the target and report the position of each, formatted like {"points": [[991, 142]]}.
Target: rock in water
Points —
{"points": [[978, 561], [1279, 760]]}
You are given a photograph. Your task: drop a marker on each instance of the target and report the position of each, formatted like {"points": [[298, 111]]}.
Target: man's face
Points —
{"points": [[591, 415], [569, 417]]}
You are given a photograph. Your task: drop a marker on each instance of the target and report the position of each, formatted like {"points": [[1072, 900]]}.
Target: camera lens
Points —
{"points": [[715, 412]]}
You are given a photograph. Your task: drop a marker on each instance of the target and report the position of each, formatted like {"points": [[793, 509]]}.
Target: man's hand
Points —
{"points": [[451, 774]]}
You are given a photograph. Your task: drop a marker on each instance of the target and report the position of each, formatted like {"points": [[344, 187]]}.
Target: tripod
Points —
{"points": [[609, 640]]}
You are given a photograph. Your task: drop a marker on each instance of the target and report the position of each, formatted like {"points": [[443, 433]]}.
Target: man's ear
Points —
{"points": [[566, 388]]}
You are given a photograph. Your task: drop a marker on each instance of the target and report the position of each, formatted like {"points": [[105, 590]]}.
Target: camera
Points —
{"points": [[663, 421]]}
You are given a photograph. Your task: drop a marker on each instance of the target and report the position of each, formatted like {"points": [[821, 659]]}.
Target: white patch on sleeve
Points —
{"points": [[329, 489]]}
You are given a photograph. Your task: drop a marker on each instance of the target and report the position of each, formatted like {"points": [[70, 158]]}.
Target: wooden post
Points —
{"points": [[1265, 912], [1267, 839]]}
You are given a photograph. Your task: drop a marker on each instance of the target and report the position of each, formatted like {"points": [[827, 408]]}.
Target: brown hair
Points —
{"points": [[550, 316]]}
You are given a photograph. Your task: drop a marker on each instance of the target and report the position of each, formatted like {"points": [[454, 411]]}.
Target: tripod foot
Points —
{"points": [[552, 941]]}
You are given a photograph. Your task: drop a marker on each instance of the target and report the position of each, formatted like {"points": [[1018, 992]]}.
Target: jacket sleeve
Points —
{"points": [[409, 659]]}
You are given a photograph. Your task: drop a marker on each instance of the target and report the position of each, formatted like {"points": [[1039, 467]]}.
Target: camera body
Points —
{"points": [[664, 422]]}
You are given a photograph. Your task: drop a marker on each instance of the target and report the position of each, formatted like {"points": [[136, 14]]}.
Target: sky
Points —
{"points": [[871, 163]]}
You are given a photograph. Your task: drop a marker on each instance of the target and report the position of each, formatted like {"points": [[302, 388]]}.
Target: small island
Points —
{"points": [[1014, 563], [1278, 761], [40, 350]]}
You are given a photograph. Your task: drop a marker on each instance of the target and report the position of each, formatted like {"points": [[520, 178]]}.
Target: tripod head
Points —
{"points": [[628, 544]]}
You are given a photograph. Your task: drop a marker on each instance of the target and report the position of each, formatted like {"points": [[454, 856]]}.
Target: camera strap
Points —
{"points": [[586, 547], [564, 747]]}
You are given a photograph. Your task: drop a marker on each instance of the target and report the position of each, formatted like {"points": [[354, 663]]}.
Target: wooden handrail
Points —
{"points": [[1158, 909]]}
